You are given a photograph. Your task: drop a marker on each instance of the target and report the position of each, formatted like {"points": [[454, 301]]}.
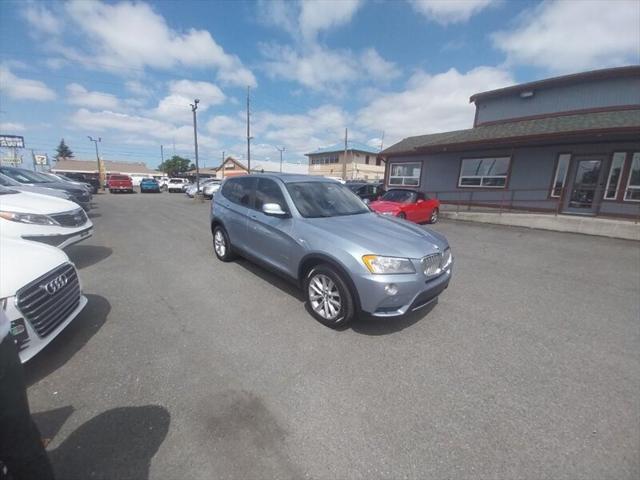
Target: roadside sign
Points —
{"points": [[11, 141], [40, 159]]}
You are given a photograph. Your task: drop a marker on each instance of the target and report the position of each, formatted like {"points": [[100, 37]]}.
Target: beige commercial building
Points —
{"points": [[358, 162]]}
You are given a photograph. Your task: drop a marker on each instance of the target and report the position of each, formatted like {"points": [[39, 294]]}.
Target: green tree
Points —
{"points": [[174, 165], [63, 151]]}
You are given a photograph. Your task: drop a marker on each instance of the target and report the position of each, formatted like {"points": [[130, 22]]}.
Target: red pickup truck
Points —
{"points": [[120, 183]]}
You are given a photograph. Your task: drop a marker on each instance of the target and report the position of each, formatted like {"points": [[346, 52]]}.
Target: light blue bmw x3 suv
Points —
{"points": [[316, 232]]}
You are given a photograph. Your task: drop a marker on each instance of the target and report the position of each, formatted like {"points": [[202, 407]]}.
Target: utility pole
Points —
{"points": [[194, 107], [344, 165], [248, 132], [280, 150], [162, 158], [382, 141], [100, 170]]}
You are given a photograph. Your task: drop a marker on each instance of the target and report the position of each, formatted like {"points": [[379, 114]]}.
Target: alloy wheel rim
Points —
{"points": [[324, 297], [219, 243], [434, 215]]}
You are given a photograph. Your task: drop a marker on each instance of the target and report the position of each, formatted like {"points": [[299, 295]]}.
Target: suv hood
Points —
{"points": [[35, 203], [22, 262], [374, 234]]}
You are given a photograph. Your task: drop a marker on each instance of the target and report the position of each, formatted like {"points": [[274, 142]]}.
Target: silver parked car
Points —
{"points": [[318, 233]]}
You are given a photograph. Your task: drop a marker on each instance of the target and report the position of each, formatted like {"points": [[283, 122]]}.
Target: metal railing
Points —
{"points": [[585, 200]]}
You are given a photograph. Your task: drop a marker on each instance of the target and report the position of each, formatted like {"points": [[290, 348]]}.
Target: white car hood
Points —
{"points": [[22, 261], [23, 202]]}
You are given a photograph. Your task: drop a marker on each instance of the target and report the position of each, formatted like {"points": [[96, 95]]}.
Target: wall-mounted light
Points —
{"points": [[526, 94]]}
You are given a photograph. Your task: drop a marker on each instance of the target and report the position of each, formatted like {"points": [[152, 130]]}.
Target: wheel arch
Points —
{"points": [[312, 259]]}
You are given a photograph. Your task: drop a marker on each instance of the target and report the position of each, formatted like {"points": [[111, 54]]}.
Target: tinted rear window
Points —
{"points": [[238, 190]]}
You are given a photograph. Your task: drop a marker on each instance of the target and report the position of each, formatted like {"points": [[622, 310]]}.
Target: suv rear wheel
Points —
{"points": [[329, 299], [222, 245]]}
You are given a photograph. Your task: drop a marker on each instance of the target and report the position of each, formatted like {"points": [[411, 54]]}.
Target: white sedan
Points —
{"points": [[41, 218], [40, 293]]}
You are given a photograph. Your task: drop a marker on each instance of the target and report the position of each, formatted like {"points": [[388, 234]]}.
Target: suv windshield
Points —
{"points": [[399, 196], [325, 199]]}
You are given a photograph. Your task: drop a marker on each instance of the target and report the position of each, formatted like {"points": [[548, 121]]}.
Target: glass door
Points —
{"points": [[583, 195]]}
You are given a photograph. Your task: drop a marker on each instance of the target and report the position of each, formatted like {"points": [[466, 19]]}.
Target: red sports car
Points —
{"points": [[409, 204]]}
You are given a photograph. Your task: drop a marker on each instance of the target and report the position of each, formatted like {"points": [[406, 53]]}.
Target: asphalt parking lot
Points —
{"points": [[183, 367]]}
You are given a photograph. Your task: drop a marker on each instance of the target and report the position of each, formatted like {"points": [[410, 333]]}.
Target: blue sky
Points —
{"points": [[127, 71]]}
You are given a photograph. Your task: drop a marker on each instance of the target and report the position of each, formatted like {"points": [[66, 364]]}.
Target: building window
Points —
{"points": [[490, 172], [561, 174], [405, 174], [615, 175], [378, 162], [632, 193], [366, 160]]}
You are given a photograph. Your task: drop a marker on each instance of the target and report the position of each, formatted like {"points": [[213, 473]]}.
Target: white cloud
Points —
{"points": [[23, 88], [80, 96], [430, 103], [128, 37], [138, 88], [378, 67], [142, 128], [11, 127], [228, 126], [318, 15], [574, 35], [450, 11], [176, 107], [41, 17], [322, 69], [306, 18]]}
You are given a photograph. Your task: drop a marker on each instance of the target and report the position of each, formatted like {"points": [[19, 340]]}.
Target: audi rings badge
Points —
{"points": [[56, 284]]}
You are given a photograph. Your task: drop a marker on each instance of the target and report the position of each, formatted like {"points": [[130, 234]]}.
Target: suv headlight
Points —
{"points": [[30, 218], [388, 265], [447, 258]]}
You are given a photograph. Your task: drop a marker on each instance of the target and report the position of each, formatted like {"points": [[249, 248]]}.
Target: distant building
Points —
{"points": [[567, 144], [137, 171], [358, 162]]}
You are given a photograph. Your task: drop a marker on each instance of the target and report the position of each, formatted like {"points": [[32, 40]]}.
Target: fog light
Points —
{"points": [[391, 289]]}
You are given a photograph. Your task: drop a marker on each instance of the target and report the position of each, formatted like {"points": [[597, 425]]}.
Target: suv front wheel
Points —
{"points": [[329, 299]]}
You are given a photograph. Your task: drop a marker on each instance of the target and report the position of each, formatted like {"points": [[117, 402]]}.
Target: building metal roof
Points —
{"points": [[616, 72], [352, 146], [619, 121], [91, 166]]}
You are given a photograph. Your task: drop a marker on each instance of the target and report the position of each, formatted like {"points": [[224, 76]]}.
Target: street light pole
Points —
{"points": [[280, 150], [194, 107], [100, 175]]}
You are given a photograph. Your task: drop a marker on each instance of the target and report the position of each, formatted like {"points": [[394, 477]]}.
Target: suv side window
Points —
{"points": [[238, 190], [268, 191]]}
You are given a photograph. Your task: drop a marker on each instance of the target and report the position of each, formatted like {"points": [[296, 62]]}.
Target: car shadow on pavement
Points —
{"points": [[117, 444], [86, 255], [271, 278], [94, 215], [70, 340], [369, 325]]}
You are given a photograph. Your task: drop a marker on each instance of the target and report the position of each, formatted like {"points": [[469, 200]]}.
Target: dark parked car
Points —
{"points": [[149, 185], [366, 191], [81, 177], [79, 194]]}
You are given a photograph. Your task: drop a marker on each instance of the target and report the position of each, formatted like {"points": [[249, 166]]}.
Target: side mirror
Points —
{"points": [[273, 210]]}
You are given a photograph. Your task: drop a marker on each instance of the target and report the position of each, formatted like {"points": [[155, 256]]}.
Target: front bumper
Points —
{"points": [[28, 341], [61, 240], [414, 291]]}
